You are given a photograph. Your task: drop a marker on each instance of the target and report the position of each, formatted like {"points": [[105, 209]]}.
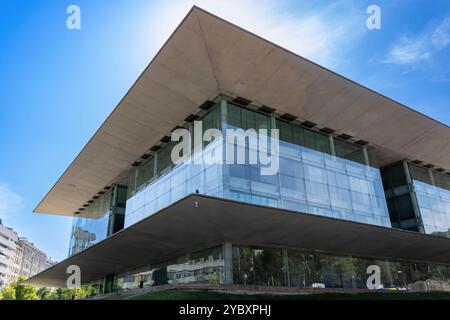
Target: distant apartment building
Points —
{"points": [[33, 259], [48, 263], [17, 262], [8, 240], [19, 257]]}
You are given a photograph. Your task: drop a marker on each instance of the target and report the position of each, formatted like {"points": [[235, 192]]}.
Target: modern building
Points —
{"points": [[362, 180]]}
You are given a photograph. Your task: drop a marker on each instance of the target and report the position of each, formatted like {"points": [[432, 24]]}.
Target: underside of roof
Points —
{"points": [[207, 56], [199, 222]]}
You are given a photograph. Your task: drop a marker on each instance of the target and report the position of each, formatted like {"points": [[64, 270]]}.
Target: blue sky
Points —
{"points": [[57, 85]]}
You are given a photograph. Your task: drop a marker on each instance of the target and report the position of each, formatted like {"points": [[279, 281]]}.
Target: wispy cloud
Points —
{"points": [[441, 35], [318, 34], [409, 51], [10, 202], [422, 48]]}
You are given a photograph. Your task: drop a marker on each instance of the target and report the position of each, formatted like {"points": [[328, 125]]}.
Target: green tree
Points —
{"points": [[19, 291], [44, 293], [8, 293], [71, 294], [56, 294], [23, 291]]}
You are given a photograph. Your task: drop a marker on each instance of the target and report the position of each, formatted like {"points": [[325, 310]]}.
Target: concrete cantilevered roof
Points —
{"points": [[187, 227], [207, 56]]}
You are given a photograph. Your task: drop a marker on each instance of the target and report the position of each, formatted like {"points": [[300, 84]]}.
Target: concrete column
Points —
{"points": [[224, 168], [332, 147], [223, 113], [273, 125], [286, 267], [228, 263], [430, 172], [155, 164], [366, 156], [108, 283], [391, 278]]}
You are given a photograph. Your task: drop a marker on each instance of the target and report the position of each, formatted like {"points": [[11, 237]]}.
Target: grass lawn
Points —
{"points": [[209, 295]]}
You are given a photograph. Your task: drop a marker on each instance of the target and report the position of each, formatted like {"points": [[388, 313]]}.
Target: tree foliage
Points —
{"points": [[17, 290], [73, 294], [8, 293]]}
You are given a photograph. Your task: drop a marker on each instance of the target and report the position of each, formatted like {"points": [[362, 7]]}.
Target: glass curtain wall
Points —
{"points": [[399, 198], [307, 269], [285, 267], [157, 182], [104, 217], [418, 198], [317, 174], [432, 191], [206, 266]]}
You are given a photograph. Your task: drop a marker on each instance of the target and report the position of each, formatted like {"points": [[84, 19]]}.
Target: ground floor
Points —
{"points": [[282, 267], [207, 240]]}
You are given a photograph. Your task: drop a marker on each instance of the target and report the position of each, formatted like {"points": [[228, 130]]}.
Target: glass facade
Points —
{"points": [[418, 198], [102, 218], [400, 198], [432, 191], [206, 267], [285, 267], [317, 173], [157, 182], [172, 186], [307, 269]]}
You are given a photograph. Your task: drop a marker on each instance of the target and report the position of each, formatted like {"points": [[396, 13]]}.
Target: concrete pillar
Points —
{"points": [[332, 147], [430, 172], [286, 267], [228, 263], [366, 156], [273, 122], [223, 113], [108, 283]]}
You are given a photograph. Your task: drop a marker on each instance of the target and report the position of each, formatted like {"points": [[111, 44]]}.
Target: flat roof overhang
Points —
{"points": [[186, 227], [207, 56]]}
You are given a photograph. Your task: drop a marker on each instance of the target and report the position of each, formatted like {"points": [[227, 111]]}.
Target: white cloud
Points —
{"points": [[441, 36], [10, 202], [412, 51], [408, 51], [318, 34]]}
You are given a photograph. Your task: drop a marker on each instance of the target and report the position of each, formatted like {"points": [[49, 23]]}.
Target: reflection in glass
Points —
{"points": [[104, 217], [205, 267], [308, 269], [275, 267], [310, 178]]}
